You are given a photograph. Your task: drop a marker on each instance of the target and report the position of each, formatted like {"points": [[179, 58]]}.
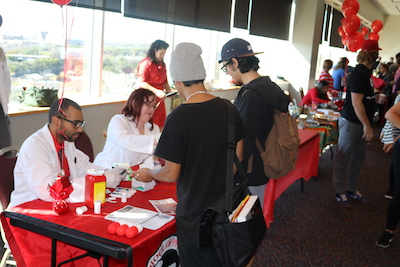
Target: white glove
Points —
{"points": [[114, 177]]}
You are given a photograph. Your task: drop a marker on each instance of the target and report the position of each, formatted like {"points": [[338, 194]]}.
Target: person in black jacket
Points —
{"points": [[255, 101]]}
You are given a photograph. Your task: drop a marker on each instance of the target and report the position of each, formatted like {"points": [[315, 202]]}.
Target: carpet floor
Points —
{"points": [[311, 229]]}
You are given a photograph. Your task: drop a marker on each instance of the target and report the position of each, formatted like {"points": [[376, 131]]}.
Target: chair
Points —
{"points": [[8, 158], [84, 144]]}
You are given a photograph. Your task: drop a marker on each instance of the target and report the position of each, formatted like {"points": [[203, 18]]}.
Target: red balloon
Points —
{"points": [[345, 40], [374, 36], [364, 30], [355, 41], [376, 25], [341, 31], [351, 24], [350, 7], [61, 2]]}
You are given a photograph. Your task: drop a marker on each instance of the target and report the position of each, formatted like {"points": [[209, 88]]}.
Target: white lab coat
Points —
{"points": [[38, 163], [125, 144]]}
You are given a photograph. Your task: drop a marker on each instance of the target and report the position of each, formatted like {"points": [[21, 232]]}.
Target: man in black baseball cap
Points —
{"points": [[256, 102]]}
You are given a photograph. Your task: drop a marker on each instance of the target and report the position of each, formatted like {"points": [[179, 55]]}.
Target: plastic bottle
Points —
{"points": [[291, 109], [95, 188], [295, 109]]}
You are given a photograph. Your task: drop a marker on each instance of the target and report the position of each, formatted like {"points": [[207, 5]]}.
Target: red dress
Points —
{"points": [[155, 75]]}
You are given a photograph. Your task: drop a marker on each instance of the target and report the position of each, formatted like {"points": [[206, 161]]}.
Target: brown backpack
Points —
{"points": [[281, 146]]}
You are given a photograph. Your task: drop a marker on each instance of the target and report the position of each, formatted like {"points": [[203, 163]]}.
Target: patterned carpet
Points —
{"points": [[311, 229]]}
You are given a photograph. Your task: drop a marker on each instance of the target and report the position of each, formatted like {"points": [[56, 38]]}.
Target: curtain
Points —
{"points": [[206, 14], [271, 18]]}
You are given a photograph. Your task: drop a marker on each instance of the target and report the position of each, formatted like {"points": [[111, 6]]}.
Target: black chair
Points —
{"points": [[8, 158], [84, 144]]}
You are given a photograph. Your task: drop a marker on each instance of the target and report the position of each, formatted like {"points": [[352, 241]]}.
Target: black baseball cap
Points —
{"points": [[236, 48]]}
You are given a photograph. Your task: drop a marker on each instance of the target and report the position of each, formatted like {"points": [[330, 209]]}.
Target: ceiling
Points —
{"points": [[388, 7]]}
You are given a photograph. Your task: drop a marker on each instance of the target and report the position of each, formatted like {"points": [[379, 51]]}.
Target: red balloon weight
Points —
{"points": [[112, 228], [121, 230], [364, 30], [350, 7], [376, 25], [355, 41], [374, 36], [341, 31], [351, 25], [61, 2]]}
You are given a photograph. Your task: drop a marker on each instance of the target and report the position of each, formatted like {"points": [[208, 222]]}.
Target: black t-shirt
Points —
{"points": [[360, 82], [196, 136]]}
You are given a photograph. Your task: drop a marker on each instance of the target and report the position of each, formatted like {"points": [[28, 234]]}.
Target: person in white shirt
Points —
{"points": [[132, 135], [51, 152]]}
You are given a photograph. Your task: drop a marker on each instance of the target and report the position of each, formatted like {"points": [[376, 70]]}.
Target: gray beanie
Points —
{"points": [[186, 63]]}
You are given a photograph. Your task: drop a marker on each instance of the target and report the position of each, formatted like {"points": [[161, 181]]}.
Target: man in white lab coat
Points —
{"points": [[51, 152]]}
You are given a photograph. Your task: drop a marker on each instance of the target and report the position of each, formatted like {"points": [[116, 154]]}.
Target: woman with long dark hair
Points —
{"points": [[132, 135], [152, 75]]}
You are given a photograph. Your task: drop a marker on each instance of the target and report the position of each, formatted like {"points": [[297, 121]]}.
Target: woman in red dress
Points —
{"points": [[152, 75]]}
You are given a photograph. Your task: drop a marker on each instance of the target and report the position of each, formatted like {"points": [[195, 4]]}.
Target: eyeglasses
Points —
{"points": [[77, 124], [151, 105], [223, 68]]}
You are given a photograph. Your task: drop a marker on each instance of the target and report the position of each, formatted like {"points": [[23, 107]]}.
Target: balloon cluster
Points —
{"points": [[351, 37]]}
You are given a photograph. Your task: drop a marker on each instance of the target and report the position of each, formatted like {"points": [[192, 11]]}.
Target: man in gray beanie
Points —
{"points": [[194, 147]]}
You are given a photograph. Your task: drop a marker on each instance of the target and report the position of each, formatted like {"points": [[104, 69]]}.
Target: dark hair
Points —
{"points": [[190, 83], [342, 63], [369, 57], [245, 64], [328, 64], [320, 85], [156, 45], [385, 66], [134, 104], [57, 110]]}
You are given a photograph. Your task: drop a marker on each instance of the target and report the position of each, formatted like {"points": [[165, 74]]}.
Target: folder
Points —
{"points": [[247, 211]]}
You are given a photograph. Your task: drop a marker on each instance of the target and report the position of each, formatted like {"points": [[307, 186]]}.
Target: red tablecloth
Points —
{"points": [[31, 249], [306, 167]]}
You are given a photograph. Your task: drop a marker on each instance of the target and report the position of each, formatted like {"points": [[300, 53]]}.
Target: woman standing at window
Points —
{"points": [[152, 75], [132, 135]]}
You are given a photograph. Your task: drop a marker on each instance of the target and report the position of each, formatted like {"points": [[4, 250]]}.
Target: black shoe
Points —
{"points": [[389, 194], [384, 241]]}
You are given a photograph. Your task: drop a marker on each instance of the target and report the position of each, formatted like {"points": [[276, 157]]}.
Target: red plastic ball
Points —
{"points": [[132, 232], [112, 228], [121, 230]]}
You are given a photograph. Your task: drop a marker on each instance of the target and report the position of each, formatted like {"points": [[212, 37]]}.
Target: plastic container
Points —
{"points": [[95, 188]]}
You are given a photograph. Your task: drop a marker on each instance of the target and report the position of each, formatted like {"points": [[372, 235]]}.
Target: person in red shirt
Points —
{"points": [[317, 94], [326, 76], [152, 75]]}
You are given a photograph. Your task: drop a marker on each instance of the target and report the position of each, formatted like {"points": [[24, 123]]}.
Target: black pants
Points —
{"points": [[191, 256], [393, 213]]}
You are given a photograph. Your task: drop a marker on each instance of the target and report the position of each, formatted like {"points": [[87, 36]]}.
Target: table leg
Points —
{"points": [[53, 252]]}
